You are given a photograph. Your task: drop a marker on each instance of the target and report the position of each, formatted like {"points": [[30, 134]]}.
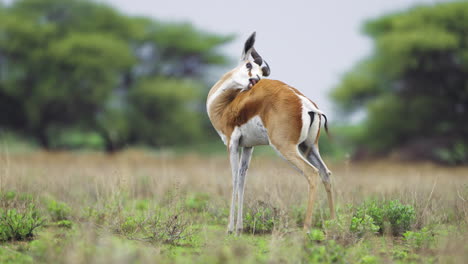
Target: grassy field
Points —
{"points": [[139, 207]]}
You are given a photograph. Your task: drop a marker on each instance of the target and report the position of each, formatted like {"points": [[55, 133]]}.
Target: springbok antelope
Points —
{"points": [[249, 111]]}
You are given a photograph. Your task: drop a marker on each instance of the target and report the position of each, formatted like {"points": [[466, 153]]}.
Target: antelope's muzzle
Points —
{"points": [[253, 81]]}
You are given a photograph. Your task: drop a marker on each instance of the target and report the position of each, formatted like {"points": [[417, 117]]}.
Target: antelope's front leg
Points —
{"points": [[244, 166], [233, 150]]}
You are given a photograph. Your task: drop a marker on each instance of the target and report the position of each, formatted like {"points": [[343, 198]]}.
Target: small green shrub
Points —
{"points": [[48, 249], [58, 210], [363, 225], [368, 259], [8, 256], [399, 254], [19, 223], [130, 224], [400, 216], [393, 214], [217, 215], [19, 217], [153, 224], [261, 218], [298, 215], [374, 209], [404, 256], [142, 205], [316, 235], [421, 239], [8, 196], [64, 223], [339, 228], [330, 252], [197, 202]]}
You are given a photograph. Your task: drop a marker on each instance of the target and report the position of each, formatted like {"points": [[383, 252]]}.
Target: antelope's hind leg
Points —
{"points": [[312, 154], [292, 154]]}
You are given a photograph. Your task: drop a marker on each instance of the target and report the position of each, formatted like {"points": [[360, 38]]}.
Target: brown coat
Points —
{"points": [[276, 103]]}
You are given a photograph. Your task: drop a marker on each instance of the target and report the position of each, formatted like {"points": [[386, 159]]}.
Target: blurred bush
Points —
{"points": [[414, 86], [376, 215], [261, 217], [80, 67], [19, 217], [58, 211]]}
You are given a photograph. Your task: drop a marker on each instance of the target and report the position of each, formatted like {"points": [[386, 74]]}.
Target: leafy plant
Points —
{"points": [[368, 259], [316, 235], [423, 238], [338, 228], [19, 217], [400, 216], [364, 225], [399, 254], [217, 214], [142, 222], [372, 208], [197, 202], [331, 252], [8, 256], [298, 215], [261, 218], [64, 223], [374, 213], [58, 211]]}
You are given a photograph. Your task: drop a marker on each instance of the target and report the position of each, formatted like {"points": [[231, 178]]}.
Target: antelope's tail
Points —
{"points": [[325, 125]]}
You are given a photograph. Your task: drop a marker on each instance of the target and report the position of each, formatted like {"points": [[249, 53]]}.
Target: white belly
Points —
{"points": [[253, 133]]}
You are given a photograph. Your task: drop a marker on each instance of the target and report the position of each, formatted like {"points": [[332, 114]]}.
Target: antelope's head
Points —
{"points": [[249, 72]]}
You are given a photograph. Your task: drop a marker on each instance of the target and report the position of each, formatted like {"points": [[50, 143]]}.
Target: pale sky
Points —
{"points": [[308, 44]]}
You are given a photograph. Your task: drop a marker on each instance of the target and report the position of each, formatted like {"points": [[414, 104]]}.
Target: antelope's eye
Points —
{"points": [[248, 65]]}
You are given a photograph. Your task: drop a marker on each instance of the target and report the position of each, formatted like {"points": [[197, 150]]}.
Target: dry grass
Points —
{"points": [[82, 180], [73, 177]]}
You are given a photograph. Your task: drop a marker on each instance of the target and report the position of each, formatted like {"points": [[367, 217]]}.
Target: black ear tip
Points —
{"points": [[250, 42], [253, 35]]}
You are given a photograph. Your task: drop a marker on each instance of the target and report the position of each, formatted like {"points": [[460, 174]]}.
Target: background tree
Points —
{"points": [[415, 84], [76, 67]]}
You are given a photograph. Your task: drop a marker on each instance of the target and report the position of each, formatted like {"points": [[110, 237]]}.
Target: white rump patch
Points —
{"points": [[309, 131]]}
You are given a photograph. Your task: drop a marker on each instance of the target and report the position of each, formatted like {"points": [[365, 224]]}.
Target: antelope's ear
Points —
{"points": [[248, 47]]}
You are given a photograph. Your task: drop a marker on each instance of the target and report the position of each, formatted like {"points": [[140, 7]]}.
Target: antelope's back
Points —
{"points": [[276, 103]]}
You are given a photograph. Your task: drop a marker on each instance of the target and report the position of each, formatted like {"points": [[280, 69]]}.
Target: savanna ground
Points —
{"points": [[141, 207]]}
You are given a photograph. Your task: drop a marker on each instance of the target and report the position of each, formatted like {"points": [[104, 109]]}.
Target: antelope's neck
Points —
{"points": [[220, 103], [220, 96]]}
